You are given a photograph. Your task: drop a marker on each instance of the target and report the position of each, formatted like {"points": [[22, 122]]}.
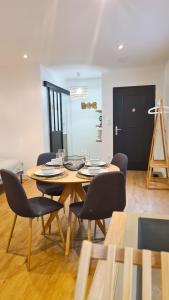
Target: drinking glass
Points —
{"points": [[61, 152], [58, 160], [85, 154]]}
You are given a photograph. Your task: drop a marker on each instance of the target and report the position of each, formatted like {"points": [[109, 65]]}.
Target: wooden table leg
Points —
{"points": [[80, 191], [73, 194], [49, 221], [66, 193], [70, 190]]}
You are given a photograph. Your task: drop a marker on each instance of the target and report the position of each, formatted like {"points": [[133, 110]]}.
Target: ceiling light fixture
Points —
{"points": [[120, 47], [25, 56], [80, 92]]}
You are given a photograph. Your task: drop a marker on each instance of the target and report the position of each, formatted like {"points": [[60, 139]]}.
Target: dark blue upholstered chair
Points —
{"points": [[106, 193], [27, 208]]}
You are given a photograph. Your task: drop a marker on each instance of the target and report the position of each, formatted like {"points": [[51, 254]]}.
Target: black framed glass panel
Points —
{"points": [[56, 134]]}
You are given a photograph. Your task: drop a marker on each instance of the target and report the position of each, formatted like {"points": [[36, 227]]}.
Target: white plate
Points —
{"points": [[87, 172], [53, 172], [98, 163], [52, 164]]}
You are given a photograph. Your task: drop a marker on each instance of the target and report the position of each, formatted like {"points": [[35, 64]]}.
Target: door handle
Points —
{"points": [[117, 130]]}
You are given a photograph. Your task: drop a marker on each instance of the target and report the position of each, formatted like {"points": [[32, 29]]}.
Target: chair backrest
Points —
{"points": [[120, 160], [105, 194], [146, 259], [42, 159], [45, 157], [15, 194]]}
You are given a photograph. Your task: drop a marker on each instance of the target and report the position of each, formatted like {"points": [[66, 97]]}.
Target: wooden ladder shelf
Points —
{"points": [[158, 182]]}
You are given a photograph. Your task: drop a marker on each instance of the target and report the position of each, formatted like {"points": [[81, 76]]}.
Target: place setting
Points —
{"points": [[95, 162], [57, 161], [83, 166], [48, 172], [52, 168], [91, 171], [92, 167]]}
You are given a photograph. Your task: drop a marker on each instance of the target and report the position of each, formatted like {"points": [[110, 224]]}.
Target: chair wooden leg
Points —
{"points": [[11, 232], [104, 225], [89, 231], [29, 244], [60, 230], [73, 228], [68, 234], [21, 179], [43, 225], [50, 224], [95, 225], [101, 226]]}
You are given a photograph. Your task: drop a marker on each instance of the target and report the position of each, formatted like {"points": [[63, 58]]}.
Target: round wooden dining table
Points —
{"points": [[72, 182]]}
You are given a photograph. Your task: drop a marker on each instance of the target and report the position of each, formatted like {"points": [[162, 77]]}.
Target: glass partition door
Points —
{"points": [[57, 109]]}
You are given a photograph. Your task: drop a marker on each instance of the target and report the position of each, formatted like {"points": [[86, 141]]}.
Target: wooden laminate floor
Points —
{"points": [[52, 274]]}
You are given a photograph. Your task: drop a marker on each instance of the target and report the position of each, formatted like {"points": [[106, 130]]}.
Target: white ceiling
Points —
{"points": [[77, 72], [85, 32]]}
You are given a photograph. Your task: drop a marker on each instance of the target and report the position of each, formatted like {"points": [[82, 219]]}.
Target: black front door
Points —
{"points": [[132, 125]]}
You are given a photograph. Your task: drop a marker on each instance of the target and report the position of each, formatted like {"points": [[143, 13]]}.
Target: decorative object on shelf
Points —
{"points": [[88, 105], [99, 127], [159, 127], [74, 163], [99, 135]]}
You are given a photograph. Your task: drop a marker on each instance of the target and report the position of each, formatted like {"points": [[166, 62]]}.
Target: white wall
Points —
{"points": [[23, 111], [21, 131], [120, 78], [84, 121]]}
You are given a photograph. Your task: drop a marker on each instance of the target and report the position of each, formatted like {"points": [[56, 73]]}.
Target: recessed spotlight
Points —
{"points": [[120, 47], [25, 56]]}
